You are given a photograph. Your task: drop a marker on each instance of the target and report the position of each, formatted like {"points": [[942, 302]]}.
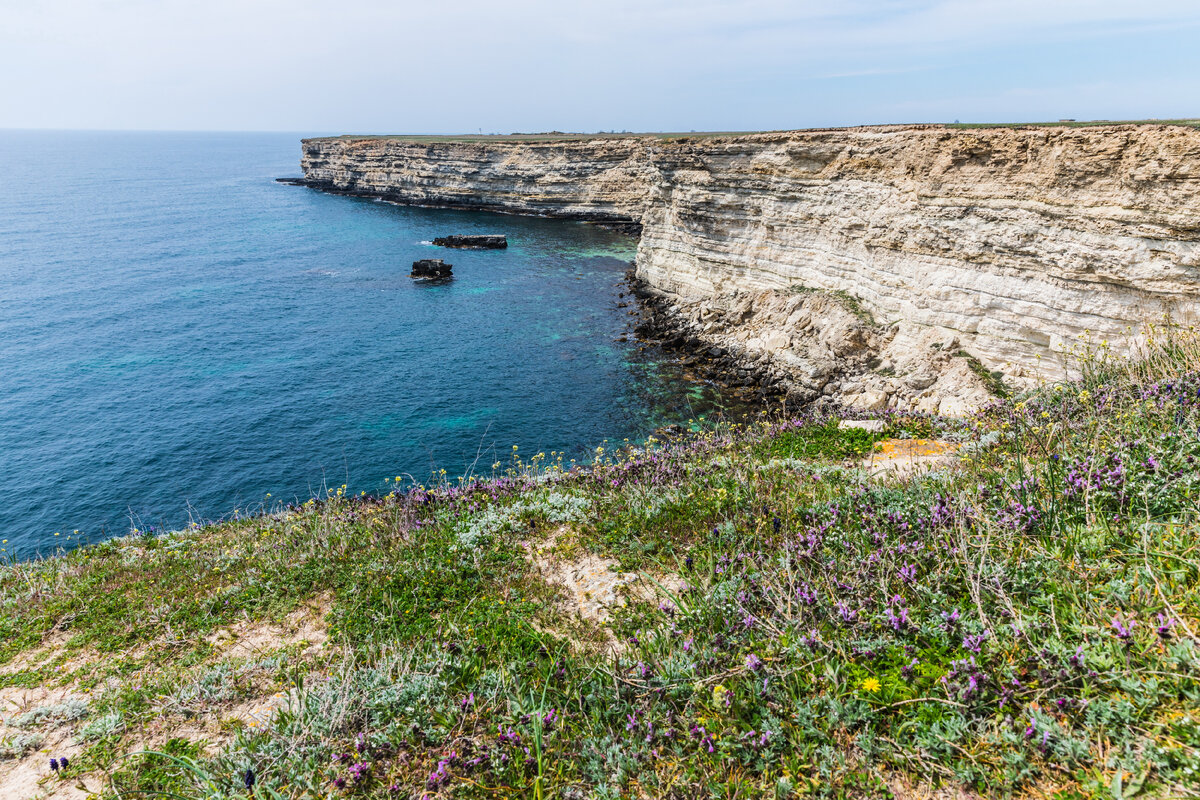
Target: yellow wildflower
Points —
{"points": [[871, 685]]}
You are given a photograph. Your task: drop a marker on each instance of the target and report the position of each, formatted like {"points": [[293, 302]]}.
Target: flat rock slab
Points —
{"points": [[592, 582], [906, 457], [872, 425], [473, 242]]}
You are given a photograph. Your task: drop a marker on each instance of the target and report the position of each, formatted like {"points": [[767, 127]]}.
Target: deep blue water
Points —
{"points": [[180, 336]]}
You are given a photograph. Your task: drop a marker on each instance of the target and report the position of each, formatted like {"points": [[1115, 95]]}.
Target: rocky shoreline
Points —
{"points": [[796, 346], [837, 357], [660, 323]]}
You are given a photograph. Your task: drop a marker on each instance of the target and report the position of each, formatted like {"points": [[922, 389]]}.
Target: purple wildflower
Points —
{"points": [[1124, 630], [361, 771], [951, 619], [1076, 660], [974, 642]]}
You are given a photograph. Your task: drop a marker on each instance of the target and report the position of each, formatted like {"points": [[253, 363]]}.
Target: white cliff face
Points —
{"points": [[1006, 243], [605, 180]]}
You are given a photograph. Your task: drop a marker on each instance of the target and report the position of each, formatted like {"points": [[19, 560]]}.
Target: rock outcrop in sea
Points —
{"points": [[432, 268], [898, 266], [486, 242]]}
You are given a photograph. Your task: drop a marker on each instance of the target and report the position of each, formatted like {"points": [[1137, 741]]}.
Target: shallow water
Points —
{"points": [[180, 336]]}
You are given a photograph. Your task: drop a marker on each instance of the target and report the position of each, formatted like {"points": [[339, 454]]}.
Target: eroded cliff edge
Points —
{"points": [[1004, 244]]}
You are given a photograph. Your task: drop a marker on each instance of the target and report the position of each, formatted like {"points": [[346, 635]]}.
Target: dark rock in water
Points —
{"points": [[293, 181], [431, 268], [473, 242]]}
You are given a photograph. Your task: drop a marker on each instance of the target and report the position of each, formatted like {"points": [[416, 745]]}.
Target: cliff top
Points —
{"points": [[560, 136]]}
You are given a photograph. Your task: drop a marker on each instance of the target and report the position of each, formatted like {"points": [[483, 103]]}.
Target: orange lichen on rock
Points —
{"points": [[909, 456]]}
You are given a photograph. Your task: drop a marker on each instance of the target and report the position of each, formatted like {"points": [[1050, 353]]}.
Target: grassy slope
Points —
{"points": [[1024, 622]]}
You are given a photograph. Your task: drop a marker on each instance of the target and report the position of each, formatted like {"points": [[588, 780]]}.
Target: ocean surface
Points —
{"points": [[180, 337]]}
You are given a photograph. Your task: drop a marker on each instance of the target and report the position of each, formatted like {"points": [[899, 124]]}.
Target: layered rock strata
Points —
{"points": [[1006, 245]]}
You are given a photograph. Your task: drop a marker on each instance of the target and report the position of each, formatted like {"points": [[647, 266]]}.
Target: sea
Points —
{"points": [[183, 339]]}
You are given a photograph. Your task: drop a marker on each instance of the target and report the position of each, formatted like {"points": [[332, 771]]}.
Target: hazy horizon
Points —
{"points": [[377, 67]]}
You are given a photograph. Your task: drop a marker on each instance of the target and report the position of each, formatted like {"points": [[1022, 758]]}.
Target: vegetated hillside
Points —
{"points": [[1020, 619]]}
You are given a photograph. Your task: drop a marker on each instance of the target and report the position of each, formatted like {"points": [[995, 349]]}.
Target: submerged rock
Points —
{"points": [[473, 242], [431, 268]]}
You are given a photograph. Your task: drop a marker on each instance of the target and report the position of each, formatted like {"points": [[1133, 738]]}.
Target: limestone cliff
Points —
{"points": [[1007, 244], [605, 180]]}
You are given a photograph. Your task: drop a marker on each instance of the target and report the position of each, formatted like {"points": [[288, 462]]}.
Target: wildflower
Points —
{"points": [[1124, 630], [753, 663], [1164, 626], [54, 765], [439, 776], [871, 685], [248, 779], [898, 622], [1077, 659], [974, 642]]}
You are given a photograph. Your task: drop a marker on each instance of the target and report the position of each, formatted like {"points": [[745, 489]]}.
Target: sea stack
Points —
{"points": [[473, 242]]}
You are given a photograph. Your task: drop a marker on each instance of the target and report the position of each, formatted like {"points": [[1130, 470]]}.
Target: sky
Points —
{"points": [[500, 66]]}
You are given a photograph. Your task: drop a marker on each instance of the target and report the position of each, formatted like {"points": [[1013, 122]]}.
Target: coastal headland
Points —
{"points": [[902, 267]]}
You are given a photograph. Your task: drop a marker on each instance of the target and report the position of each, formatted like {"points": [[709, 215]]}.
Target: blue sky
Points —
{"points": [[443, 66]]}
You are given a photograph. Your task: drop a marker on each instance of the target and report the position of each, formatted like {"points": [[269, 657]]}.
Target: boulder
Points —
{"points": [[870, 400], [921, 380], [473, 242]]}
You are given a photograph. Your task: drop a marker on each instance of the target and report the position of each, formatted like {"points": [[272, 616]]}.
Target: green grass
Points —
{"points": [[993, 381], [1022, 623]]}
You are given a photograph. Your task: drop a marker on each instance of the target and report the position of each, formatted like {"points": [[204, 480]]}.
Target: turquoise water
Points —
{"points": [[180, 336]]}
